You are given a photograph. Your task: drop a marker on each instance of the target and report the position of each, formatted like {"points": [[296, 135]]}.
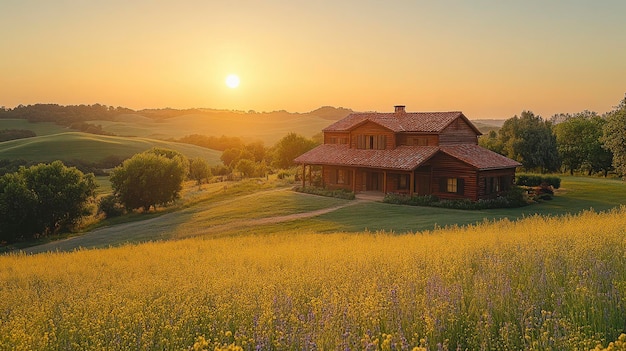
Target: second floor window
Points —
{"points": [[375, 142]]}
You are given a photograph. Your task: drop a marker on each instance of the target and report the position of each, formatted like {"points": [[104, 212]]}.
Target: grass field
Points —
{"points": [[69, 146], [536, 284], [232, 209], [42, 128]]}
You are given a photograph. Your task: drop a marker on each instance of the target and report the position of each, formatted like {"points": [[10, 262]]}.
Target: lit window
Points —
{"points": [[452, 185]]}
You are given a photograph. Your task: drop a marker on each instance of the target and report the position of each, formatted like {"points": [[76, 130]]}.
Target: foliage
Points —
{"points": [[63, 115], [491, 141], [579, 145], [212, 142], [288, 148], [12, 134], [151, 178], [537, 180], [110, 206], [614, 136], [43, 199], [514, 197], [199, 170], [246, 167], [536, 284], [529, 140], [338, 193]]}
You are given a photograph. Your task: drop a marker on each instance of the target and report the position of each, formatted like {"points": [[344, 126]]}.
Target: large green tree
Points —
{"points": [[43, 199], [151, 178], [530, 140], [199, 170], [614, 136], [578, 143], [288, 148]]}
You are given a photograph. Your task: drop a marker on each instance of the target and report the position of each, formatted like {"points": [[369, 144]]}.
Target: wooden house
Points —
{"points": [[423, 153]]}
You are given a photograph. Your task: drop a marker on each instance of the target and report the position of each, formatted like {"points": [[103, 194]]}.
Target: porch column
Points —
{"points": [[303, 175], [310, 176], [384, 182], [354, 180], [412, 186]]}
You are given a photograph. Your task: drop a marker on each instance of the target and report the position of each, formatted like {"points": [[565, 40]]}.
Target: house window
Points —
{"points": [[372, 142], [452, 185], [333, 140], [343, 141], [343, 176]]}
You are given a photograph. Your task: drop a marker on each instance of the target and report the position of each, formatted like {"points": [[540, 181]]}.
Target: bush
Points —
{"points": [[338, 193], [512, 198], [110, 206], [537, 180]]}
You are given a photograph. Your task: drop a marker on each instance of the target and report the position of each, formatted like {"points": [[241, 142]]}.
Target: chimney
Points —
{"points": [[400, 109]]}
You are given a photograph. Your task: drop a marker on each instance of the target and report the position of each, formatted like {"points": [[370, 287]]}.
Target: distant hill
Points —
{"points": [[72, 146], [486, 125]]}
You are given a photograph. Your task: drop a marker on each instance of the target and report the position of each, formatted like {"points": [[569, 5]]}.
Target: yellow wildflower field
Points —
{"points": [[555, 283]]}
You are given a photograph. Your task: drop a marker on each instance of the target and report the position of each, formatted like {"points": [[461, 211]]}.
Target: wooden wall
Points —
{"points": [[371, 128], [445, 166], [409, 139], [458, 132]]}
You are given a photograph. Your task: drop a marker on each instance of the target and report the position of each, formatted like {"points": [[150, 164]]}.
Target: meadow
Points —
{"points": [[535, 284], [70, 146]]}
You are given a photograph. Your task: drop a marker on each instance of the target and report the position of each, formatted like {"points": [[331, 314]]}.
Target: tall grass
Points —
{"points": [[536, 284]]}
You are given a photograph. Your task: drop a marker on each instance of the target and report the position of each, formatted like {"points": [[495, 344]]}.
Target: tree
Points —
{"points": [[288, 148], [614, 136], [573, 140], [43, 199], [246, 167], [151, 178], [530, 140], [490, 141], [199, 170], [231, 156]]}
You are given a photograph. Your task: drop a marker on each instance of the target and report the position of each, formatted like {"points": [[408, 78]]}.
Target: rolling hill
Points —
{"points": [[71, 146]]}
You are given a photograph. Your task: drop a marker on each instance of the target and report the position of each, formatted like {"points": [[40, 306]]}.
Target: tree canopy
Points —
{"points": [[614, 136], [43, 199], [288, 148], [151, 178], [530, 140]]}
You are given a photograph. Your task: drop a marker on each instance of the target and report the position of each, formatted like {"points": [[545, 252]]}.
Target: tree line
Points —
{"points": [[580, 142]]}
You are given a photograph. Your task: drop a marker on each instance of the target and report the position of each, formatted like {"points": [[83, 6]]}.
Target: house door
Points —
{"points": [[422, 184]]}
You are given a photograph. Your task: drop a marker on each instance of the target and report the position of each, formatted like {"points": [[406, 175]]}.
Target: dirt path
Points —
{"points": [[160, 228]]}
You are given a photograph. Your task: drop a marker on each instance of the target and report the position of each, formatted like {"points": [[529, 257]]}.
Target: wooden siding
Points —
{"points": [[417, 139], [336, 138], [374, 129], [444, 167], [332, 180], [505, 176], [458, 132]]}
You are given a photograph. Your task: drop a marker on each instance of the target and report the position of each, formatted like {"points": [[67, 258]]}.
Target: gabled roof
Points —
{"points": [[400, 158], [430, 122], [479, 157], [404, 158]]}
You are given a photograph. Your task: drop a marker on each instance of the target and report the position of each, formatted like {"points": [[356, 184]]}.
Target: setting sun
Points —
{"points": [[232, 81]]}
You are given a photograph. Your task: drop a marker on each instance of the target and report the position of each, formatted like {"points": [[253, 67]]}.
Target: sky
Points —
{"points": [[489, 59]]}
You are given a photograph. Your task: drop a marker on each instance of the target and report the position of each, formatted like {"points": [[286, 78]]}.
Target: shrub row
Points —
{"points": [[537, 180], [338, 193], [512, 198]]}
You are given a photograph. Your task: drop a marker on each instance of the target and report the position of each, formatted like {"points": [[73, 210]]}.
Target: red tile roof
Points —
{"points": [[400, 158], [479, 157], [432, 122], [403, 157]]}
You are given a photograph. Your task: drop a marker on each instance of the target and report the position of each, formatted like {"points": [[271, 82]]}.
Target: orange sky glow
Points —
{"points": [[489, 59]]}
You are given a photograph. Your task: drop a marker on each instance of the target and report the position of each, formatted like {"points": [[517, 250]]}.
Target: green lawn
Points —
{"points": [[227, 209]]}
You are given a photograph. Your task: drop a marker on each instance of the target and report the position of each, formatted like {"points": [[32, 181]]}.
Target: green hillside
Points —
{"points": [[41, 128], [93, 148]]}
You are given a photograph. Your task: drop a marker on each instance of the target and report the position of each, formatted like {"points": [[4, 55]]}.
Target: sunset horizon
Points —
{"points": [[489, 60]]}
